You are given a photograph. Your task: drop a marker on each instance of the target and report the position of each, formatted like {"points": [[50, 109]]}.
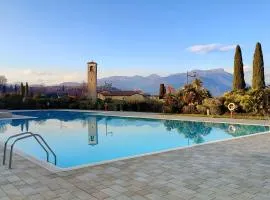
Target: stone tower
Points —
{"points": [[92, 80]]}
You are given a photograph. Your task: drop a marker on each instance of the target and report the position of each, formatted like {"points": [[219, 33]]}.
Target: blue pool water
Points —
{"points": [[84, 138]]}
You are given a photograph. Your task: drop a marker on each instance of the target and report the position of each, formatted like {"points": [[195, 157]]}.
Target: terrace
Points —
{"points": [[232, 169]]}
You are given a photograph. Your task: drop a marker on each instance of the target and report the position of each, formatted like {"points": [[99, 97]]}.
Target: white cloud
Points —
{"points": [[38, 73], [207, 48], [247, 68], [227, 47], [42, 76], [27, 71], [46, 77]]}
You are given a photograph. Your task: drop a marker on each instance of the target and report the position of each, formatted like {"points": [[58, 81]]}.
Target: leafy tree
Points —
{"points": [[258, 81], [3, 80], [238, 75], [162, 91], [172, 104], [194, 93], [197, 84]]}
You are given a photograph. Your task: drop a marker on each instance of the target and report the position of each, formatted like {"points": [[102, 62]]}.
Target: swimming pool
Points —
{"points": [[83, 138]]}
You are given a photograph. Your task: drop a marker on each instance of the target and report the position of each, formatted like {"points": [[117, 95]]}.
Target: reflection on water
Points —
{"points": [[191, 130], [196, 130], [92, 131], [3, 125]]}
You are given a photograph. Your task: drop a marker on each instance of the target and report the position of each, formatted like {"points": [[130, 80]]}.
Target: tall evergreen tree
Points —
{"points": [[26, 89], [162, 91], [238, 74], [15, 89], [258, 81], [4, 89], [22, 90]]}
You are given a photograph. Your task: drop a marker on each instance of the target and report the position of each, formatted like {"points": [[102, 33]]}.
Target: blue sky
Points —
{"points": [[51, 41]]}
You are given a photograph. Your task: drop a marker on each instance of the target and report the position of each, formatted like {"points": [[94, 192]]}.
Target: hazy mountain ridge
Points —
{"points": [[217, 81]]}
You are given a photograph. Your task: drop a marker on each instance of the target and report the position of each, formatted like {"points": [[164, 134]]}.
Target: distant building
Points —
{"points": [[123, 95]]}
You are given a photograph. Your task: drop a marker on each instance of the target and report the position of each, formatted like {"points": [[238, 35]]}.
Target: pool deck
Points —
{"points": [[234, 169]]}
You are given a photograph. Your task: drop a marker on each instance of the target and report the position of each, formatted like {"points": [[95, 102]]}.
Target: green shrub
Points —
{"points": [[29, 103], [74, 105], [214, 105], [189, 109], [12, 101], [249, 101], [201, 109], [172, 104]]}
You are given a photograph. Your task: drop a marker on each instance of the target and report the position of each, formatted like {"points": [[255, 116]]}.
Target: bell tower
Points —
{"points": [[92, 80]]}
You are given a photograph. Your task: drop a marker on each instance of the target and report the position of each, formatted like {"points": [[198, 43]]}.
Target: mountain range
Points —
{"points": [[217, 81]]}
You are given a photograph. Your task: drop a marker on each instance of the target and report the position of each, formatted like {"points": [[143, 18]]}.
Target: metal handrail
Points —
{"points": [[36, 136], [13, 136]]}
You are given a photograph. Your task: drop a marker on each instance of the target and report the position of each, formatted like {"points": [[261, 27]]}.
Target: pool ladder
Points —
{"points": [[26, 135]]}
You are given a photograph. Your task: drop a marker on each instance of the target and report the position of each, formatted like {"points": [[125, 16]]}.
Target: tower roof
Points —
{"points": [[91, 62]]}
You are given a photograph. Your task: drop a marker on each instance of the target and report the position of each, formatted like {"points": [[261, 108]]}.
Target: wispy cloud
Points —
{"points": [[44, 76], [207, 48], [38, 73], [34, 76]]}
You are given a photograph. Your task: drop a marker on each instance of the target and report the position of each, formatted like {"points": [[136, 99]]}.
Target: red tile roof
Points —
{"points": [[120, 93]]}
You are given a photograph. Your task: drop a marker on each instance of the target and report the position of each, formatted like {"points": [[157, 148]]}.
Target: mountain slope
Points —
{"points": [[216, 80]]}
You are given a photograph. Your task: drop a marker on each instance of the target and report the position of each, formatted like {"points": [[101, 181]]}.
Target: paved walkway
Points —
{"points": [[235, 169]]}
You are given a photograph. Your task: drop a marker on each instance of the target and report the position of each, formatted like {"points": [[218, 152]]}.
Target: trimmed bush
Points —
{"points": [[214, 105], [201, 109], [189, 109]]}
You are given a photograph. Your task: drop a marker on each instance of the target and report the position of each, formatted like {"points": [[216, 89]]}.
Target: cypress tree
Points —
{"points": [[162, 91], [26, 89], [258, 81], [238, 75], [15, 89], [22, 90]]}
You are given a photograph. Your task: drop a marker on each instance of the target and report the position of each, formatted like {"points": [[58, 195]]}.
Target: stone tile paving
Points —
{"points": [[236, 169]]}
